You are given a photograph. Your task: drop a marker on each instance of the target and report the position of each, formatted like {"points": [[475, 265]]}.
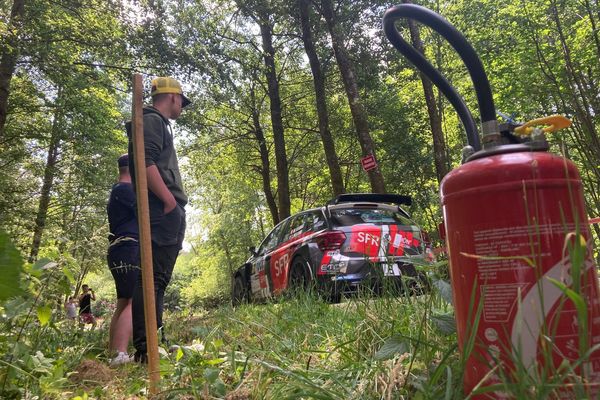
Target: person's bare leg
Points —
{"points": [[121, 326]]}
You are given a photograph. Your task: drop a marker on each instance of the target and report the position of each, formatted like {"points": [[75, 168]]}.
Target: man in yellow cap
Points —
{"points": [[166, 199]]}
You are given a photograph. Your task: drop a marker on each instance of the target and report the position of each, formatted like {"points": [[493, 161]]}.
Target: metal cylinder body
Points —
{"points": [[509, 220]]}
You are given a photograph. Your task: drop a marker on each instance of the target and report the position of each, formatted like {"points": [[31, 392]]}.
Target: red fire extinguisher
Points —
{"points": [[525, 287]]}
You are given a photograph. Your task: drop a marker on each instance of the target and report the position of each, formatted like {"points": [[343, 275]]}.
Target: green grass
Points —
{"points": [[367, 347], [364, 348]]}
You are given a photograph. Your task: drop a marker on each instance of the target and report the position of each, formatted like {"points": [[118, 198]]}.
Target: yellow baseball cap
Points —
{"points": [[165, 84]]}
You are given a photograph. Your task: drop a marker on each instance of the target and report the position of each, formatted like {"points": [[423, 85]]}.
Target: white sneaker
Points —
{"points": [[121, 358]]}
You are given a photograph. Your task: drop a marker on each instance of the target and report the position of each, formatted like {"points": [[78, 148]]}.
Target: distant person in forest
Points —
{"points": [[123, 259], [166, 199], [71, 308], [85, 307]]}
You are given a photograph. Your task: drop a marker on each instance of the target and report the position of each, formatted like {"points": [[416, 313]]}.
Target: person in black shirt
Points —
{"points": [[166, 200], [85, 306], [123, 259]]}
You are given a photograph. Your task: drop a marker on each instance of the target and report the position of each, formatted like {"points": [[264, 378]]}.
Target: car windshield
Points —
{"points": [[354, 216]]}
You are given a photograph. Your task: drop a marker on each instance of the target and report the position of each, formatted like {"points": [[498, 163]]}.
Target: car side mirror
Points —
{"points": [[252, 250]]}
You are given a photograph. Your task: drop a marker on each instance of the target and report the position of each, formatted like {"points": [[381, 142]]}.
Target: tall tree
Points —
{"points": [[9, 54], [335, 172], [261, 13], [359, 114], [265, 22], [265, 167], [48, 179]]}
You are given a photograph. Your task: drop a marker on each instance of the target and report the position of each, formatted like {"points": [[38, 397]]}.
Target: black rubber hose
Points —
{"points": [[457, 41], [445, 87]]}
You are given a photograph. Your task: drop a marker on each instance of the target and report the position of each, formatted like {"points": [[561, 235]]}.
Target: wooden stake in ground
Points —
{"points": [[141, 189]]}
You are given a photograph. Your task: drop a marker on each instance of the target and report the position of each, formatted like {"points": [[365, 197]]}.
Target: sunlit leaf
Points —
{"points": [[69, 275], [44, 313]]}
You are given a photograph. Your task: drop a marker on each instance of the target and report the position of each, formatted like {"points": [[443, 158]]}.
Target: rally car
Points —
{"points": [[355, 241]]}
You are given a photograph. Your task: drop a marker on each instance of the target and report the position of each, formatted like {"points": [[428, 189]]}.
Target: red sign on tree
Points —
{"points": [[368, 162]]}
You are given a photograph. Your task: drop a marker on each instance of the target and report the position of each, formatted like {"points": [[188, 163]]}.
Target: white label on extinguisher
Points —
{"points": [[533, 310]]}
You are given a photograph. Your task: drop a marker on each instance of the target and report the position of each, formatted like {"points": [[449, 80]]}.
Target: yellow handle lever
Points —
{"points": [[553, 123]]}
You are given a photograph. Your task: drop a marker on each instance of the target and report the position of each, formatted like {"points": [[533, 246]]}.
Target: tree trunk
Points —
{"points": [[49, 174], [8, 59], [283, 187], [265, 168], [435, 118], [359, 115], [335, 173]]}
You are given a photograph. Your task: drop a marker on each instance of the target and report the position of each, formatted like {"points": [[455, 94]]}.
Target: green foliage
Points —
{"points": [[33, 332], [11, 267], [210, 285]]}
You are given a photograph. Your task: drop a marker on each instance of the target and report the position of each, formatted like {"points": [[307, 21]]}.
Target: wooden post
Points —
{"points": [[141, 189]]}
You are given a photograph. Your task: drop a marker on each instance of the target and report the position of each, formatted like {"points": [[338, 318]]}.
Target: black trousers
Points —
{"points": [[167, 236], [164, 258]]}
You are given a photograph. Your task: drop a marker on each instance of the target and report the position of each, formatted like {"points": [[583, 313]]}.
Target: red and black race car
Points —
{"points": [[355, 240]]}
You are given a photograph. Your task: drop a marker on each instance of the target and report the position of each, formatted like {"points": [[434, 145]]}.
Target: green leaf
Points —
{"points": [[17, 306], [448, 383], [68, 274], [211, 374], [40, 266], [445, 323], [11, 265], [444, 289], [392, 346], [44, 313], [179, 354], [576, 298], [219, 387], [218, 343]]}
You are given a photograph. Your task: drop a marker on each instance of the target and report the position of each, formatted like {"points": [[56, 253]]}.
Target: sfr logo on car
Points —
{"points": [[364, 237], [280, 264]]}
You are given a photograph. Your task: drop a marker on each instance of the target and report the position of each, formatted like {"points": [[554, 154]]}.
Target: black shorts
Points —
{"points": [[124, 264]]}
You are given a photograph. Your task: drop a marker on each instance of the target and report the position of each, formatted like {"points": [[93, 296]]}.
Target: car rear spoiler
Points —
{"points": [[372, 197]]}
